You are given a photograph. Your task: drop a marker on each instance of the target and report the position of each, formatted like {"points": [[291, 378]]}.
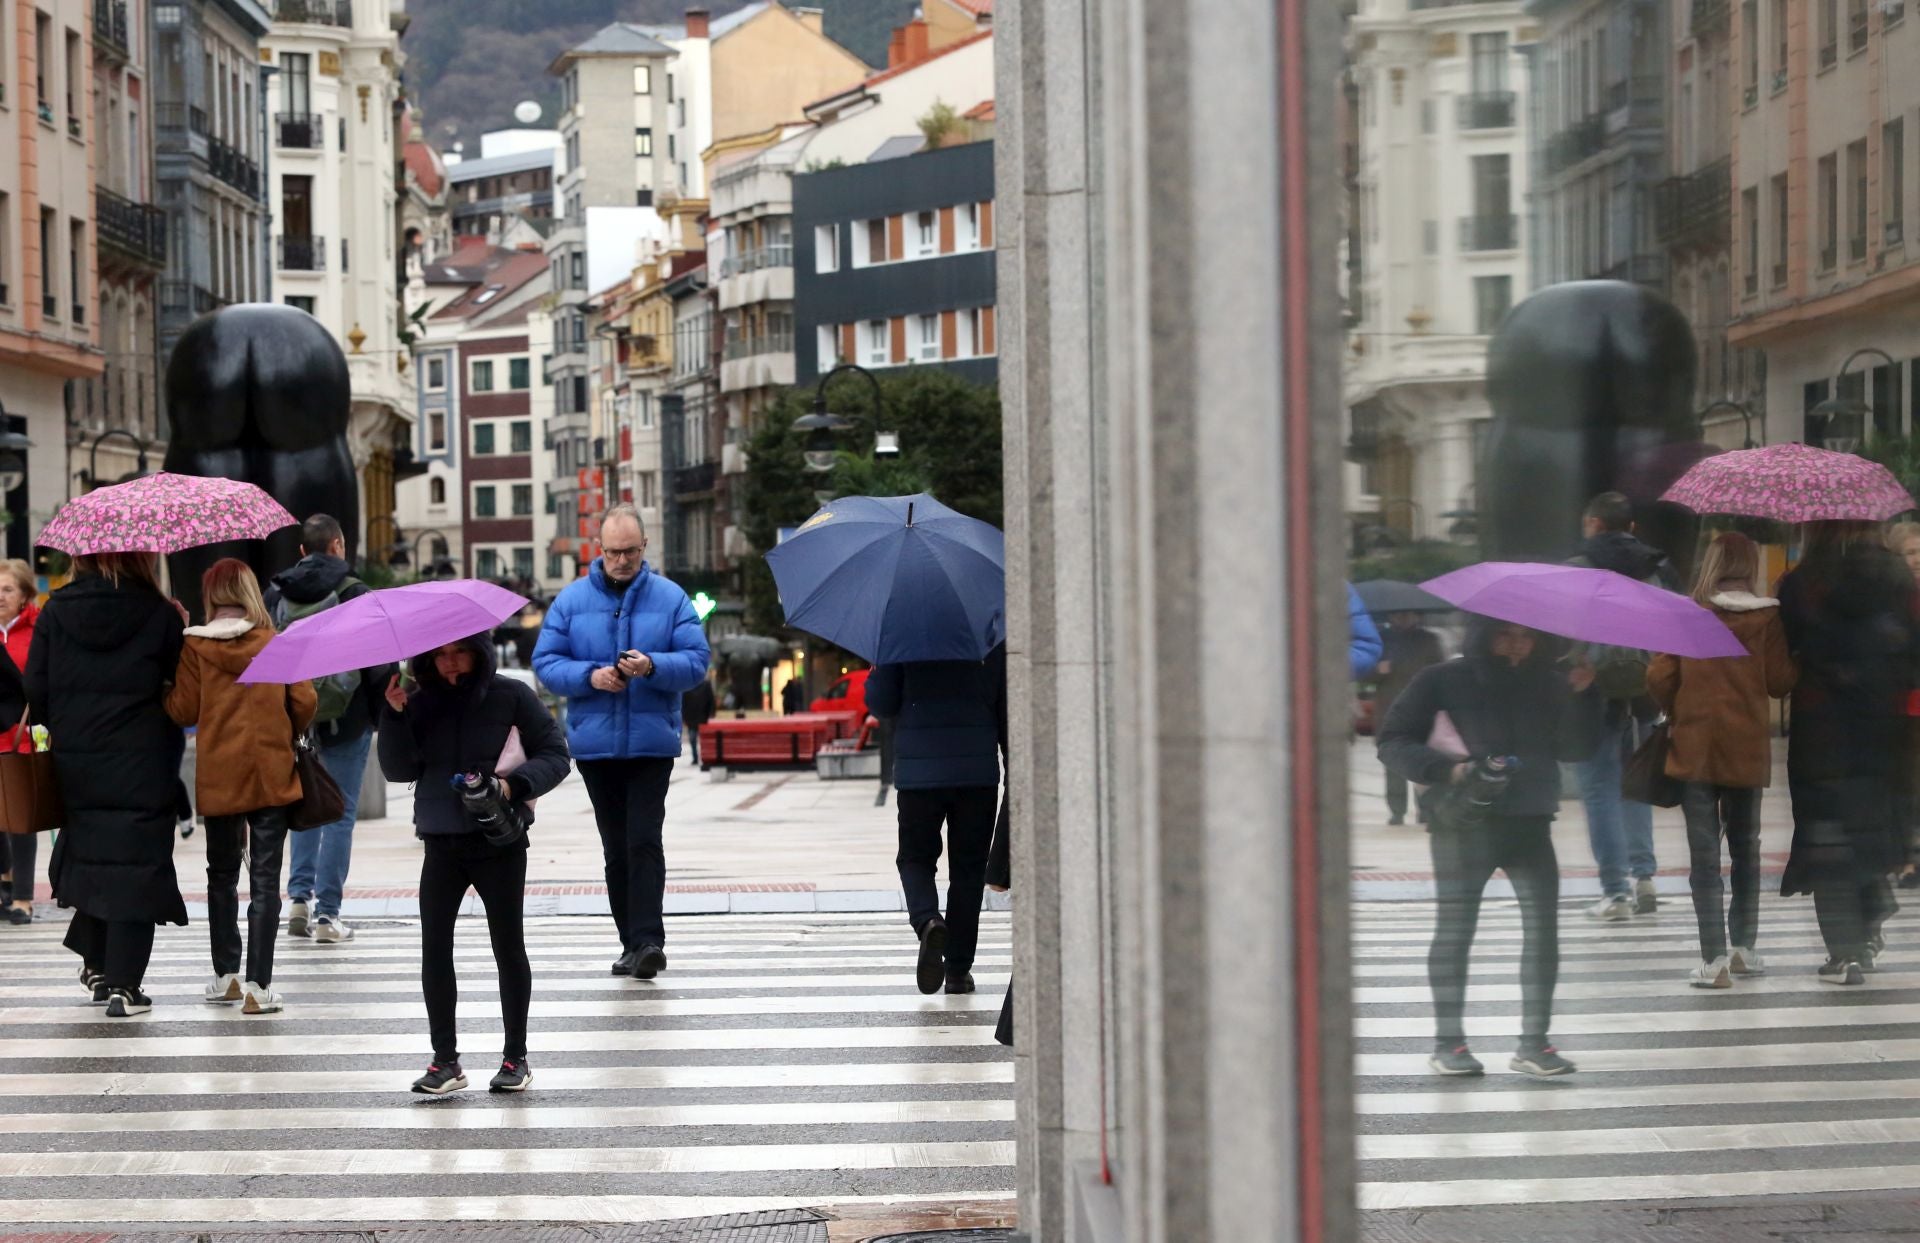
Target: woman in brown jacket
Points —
{"points": [[1718, 746], [244, 777]]}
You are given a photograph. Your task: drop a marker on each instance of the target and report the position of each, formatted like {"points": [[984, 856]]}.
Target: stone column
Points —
{"points": [[1171, 628]]}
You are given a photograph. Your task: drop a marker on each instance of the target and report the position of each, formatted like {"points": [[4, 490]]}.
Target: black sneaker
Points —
{"points": [[440, 1080], [1842, 971], [624, 964], [123, 1002], [17, 916], [1543, 1062], [648, 961], [931, 971], [962, 983], [1458, 1060], [515, 1076], [88, 978]]}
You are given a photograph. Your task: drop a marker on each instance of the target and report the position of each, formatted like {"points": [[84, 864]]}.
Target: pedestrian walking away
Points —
{"points": [[1848, 609], [1904, 538], [1619, 830], [457, 723], [244, 777], [19, 852], [793, 697], [349, 708], [1407, 648], [1719, 747], [697, 707], [949, 717], [106, 646], [623, 644], [1491, 809]]}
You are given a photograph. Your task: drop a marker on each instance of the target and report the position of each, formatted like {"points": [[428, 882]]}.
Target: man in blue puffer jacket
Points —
{"points": [[623, 644]]}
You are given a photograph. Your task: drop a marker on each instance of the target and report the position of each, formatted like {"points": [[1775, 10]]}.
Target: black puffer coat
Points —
{"points": [[97, 677], [460, 729]]}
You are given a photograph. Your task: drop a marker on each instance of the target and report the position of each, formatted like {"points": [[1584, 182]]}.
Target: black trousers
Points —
{"points": [[19, 853], [1712, 812], [1464, 860], [451, 866], [118, 949], [262, 837], [967, 813], [1396, 795], [630, 808]]}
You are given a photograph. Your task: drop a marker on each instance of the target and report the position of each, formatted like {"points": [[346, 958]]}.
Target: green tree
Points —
{"points": [[949, 434]]}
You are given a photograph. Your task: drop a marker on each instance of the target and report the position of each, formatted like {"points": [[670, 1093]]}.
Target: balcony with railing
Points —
{"points": [[765, 343], [693, 479], [110, 28], [314, 12], [184, 298], [1635, 102], [1709, 17], [777, 255], [1582, 140], [302, 252], [137, 230], [1479, 233], [1695, 209], [1485, 110], [299, 131], [230, 166]]}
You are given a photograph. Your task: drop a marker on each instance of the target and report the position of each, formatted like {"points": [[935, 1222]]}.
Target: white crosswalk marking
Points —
{"points": [[1779, 1085], [782, 1061]]}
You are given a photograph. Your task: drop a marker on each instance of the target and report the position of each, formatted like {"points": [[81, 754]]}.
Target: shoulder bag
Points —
{"points": [[321, 801], [29, 791]]}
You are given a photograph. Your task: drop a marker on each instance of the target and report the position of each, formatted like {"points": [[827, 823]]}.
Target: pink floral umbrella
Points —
{"points": [[163, 513], [1792, 483]]}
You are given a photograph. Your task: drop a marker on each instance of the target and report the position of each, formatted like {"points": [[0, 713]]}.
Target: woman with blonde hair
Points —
{"points": [[18, 613], [243, 775], [103, 653], [1718, 746]]}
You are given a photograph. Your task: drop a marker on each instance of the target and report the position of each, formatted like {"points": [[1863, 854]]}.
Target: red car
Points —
{"points": [[849, 694]]}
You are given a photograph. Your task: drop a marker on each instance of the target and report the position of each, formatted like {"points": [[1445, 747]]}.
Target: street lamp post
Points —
{"points": [[428, 570], [93, 455], [823, 427], [396, 551], [1843, 421], [1746, 417]]}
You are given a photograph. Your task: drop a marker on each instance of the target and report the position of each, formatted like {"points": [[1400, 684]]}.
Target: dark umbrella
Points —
{"points": [[1386, 596]]}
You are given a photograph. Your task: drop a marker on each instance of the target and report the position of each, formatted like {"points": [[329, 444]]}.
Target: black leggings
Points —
{"points": [[1735, 812], [1463, 862], [498, 874]]}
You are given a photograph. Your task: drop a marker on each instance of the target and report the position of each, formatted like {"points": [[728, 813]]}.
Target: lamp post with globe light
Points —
{"points": [[823, 427], [1842, 423]]}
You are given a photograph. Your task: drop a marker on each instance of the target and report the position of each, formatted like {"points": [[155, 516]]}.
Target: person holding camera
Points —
{"points": [[1485, 735], [461, 724]]}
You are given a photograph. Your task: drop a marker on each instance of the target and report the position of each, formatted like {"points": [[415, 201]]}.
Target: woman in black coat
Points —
{"points": [[1848, 609], [103, 655], [458, 721]]}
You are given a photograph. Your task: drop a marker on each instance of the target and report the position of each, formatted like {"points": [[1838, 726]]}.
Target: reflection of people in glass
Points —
{"points": [[1408, 648], [1848, 609], [1506, 702], [1718, 746], [1904, 538]]}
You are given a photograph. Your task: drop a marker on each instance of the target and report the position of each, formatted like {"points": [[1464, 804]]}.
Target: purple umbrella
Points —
{"points": [[1595, 606], [383, 627]]}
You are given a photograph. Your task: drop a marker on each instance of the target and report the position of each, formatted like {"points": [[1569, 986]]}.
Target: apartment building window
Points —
{"points": [[519, 374], [967, 333], [1857, 205], [523, 563], [436, 491], [643, 80], [49, 267], [77, 77], [6, 249], [1489, 63], [826, 248], [877, 240], [486, 562], [77, 252], [480, 376], [1750, 221], [1782, 208], [483, 440], [1827, 183], [879, 343], [928, 344], [579, 394], [1750, 52], [643, 142], [436, 375], [484, 503], [1856, 25], [522, 500], [43, 64], [926, 234], [437, 432], [971, 233], [1829, 31], [577, 279], [520, 436], [1492, 299], [1893, 179], [827, 347]]}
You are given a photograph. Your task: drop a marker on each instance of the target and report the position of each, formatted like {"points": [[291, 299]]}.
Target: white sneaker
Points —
{"points": [[298, 922], [331, 931], [1746, 962], [1645, 900], [1711, 974], [224, 988], [1617, 908], [262, 1000]]}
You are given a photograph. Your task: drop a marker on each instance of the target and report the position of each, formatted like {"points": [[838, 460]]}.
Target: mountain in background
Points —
{"points": [[470, 61]]}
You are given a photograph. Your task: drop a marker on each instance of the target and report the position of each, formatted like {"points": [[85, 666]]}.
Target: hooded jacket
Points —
{"points": [[1623, 553], [314, 577], [1717, 709], [587, 627], [450, 729], [102, 656], [244, 747], [1527, 711]]}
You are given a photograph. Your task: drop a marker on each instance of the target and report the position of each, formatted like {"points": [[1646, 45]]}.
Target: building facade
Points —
{"points": [[1824, 183], [483, 192], [49, 325], [893, 264], [692, 424], [1436, 251]]}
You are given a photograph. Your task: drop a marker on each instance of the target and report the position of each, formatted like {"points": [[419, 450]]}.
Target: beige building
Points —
{"points": [[1823, 183], [767, 68], [950, 21], [48, 303]]}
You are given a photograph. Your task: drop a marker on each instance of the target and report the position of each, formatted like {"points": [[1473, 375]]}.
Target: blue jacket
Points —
{"points": [[1363, 639], [949, 720], [588, 626]]}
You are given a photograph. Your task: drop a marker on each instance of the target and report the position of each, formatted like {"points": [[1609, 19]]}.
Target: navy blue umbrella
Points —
{"points": [[895, 578]]}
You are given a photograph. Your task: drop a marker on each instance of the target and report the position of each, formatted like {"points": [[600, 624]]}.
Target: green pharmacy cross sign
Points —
{"points": [[704, 604]]}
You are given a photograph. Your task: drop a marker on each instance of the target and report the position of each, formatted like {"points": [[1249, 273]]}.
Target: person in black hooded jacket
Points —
{"points": [[106, 646], [1504, 698], [458, 721]]}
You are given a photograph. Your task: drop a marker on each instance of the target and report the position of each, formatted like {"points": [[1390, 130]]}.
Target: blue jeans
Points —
{"points": [[1620, 832], [320, 856]]}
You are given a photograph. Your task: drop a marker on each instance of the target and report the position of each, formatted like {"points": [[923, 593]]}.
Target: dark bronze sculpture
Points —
{"points": [[1591, 385], [260, 392]]}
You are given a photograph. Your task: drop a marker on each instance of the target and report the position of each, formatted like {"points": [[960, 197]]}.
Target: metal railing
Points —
{"points": [[302, 252], [233, 168], [1695, 208], [1485, 110], [110, 27], [778, 255], [1709, 16], [1581, 140], [314, 12], [300, 131], [1489, 232], [695, 477], [138, 230], [765, 343], [187, 298]]}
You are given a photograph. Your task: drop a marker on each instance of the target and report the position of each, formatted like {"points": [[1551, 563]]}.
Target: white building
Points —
{"points": [[332, 124], [1436, 248]]}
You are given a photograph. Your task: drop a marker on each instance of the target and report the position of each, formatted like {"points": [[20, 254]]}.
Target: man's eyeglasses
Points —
{"points": [[623, 554]]}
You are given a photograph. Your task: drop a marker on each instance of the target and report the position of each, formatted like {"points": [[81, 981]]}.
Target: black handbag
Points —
{"points": [[321, 801], [1645, 779]]}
